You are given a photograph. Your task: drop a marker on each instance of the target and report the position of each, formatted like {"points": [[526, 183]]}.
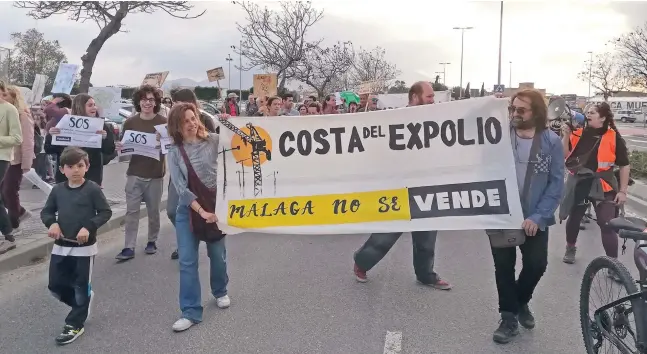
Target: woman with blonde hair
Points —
{"points": [[23, 157]]}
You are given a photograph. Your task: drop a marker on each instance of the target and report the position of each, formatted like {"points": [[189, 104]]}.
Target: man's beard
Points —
{"points": [[519, 123]]}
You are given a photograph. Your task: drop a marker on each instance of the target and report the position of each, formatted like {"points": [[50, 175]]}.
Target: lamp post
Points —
{"points": [[462, 29], [444, 72], [240, 65], [229, 59], [501, 43], [590, 70]]}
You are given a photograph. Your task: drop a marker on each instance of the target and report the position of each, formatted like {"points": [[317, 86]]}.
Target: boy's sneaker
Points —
{"points": [[360, 275], [151, 248], [69, 335], [91, 305], [126, 254], [223, 302], [6, 246]]}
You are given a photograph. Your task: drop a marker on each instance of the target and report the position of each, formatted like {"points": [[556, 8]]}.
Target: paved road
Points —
{"points": [[296, 294]]}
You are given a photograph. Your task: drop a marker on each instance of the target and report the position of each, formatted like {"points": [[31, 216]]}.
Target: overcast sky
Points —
{"points": [[547, 41]]}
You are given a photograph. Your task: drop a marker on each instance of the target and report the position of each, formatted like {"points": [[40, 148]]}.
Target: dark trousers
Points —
{"points": [[42, 166], [69, 281], [5, 224], [9, 187], [424, 248], [515, 293], [604, 212]]}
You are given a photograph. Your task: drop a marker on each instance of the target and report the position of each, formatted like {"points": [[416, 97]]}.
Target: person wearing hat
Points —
{"points": [[230, 106]]}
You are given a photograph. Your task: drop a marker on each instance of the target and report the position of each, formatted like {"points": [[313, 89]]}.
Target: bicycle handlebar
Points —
{"points": [[634, 235]]}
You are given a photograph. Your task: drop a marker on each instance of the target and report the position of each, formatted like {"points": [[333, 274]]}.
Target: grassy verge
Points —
{"points": [[638, 160]]}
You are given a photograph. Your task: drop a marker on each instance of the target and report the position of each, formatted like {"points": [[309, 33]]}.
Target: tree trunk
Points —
{"points": [[90, 56]]}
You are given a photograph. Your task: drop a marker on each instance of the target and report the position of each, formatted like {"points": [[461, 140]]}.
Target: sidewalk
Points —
{"points": [[33, 244]]}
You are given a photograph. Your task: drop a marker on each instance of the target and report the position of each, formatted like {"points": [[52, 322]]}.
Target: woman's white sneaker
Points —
{"points": [[182, 324], [223, 302]]}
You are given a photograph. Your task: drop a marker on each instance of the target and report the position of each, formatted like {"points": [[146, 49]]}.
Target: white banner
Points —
{"points": [[165, 140], [65, 77], [108, 99], [446, 166], [37, 89], [79, 131], [139, 143]]}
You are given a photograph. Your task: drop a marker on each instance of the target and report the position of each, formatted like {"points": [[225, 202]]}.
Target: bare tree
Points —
{"points": [[373, 66], [633, 51], [606, 73], [276, 40], [321, 66], [108, 15], [32, 55]]}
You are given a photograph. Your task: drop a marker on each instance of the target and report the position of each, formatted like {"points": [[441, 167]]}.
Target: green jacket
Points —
{"points": [[10, 131]]}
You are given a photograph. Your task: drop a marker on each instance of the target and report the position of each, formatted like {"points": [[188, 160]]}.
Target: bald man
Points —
{"points": [[424, 242]]}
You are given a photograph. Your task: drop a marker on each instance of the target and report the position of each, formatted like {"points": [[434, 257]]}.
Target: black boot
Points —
{"points": [[526, 319], [508, 328]]}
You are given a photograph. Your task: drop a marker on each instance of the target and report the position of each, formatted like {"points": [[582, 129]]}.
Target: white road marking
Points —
{"points": [[637, 200], [638, 141], [393, 343]]}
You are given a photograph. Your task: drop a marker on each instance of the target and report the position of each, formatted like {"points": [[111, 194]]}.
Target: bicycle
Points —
{"points": [[612, 320]]}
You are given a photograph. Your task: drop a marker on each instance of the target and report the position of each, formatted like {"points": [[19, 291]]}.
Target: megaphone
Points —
{"points": [[558, 114]]}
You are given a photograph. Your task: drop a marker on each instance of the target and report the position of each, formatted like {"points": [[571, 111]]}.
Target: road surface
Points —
{"points": [[296, 294]]}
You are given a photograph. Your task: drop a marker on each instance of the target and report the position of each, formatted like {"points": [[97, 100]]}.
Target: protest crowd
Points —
{"points": [[540, 159]]}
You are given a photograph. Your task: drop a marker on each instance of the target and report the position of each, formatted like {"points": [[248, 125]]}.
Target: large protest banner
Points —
{"points": [[447, 166]]}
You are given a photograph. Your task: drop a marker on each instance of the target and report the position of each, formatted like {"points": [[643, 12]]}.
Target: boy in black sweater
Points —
{"points": [[73, 213]]}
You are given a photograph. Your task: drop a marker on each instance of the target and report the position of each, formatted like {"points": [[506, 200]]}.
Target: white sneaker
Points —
{"points": [[223, 302], [91, 305], [182, 325], [26, 215], [17, 231]]}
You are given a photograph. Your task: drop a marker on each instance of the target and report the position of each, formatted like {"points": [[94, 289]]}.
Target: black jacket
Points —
{"points": [[95, 172]]}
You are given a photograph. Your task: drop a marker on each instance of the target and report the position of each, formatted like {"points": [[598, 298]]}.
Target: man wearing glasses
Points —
{"points": [[539, 163]]}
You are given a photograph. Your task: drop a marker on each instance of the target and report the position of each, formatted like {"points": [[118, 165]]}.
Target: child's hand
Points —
{"points": [[54, 231], [82, 236]]}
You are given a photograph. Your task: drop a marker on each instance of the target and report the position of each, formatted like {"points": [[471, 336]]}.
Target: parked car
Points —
{"points": [[628, 116]]}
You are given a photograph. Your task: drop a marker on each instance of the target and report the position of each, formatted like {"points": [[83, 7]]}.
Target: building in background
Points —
{"points": [[509, 91]]}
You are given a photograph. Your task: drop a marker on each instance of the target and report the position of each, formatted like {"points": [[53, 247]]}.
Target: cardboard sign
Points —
{"points": [[216, 74], [265, 85], [155, 79]]}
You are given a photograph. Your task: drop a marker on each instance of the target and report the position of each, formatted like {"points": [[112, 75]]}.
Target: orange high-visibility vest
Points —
{"points": [[606, 152]]}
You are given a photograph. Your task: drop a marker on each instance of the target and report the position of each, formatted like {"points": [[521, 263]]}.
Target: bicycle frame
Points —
{"points": [[640, 259]]}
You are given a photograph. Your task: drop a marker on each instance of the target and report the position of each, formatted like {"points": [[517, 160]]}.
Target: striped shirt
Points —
{"points": [[203, 156]]}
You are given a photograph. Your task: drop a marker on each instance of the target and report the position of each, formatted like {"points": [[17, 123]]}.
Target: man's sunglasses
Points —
{"points": [[519, 110]]}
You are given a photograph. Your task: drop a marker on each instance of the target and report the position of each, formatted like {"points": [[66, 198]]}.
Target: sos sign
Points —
{"points": [[79, 123], [138, 138]]}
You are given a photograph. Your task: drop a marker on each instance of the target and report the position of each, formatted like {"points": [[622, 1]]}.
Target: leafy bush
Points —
{"points": [[638, 160]]}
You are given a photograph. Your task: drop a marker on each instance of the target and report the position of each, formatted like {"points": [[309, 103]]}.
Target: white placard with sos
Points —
{"points": [[79, 131], [140, 143], [165, 140]]}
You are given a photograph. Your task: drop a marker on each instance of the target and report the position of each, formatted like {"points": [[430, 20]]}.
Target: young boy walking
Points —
{"points": [[73, 213]]}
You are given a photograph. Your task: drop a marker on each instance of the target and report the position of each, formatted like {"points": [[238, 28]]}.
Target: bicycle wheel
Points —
{"points": [[617, 319]]}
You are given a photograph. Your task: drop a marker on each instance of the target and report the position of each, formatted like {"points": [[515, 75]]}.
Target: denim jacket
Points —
{"points": [[546, 182]]}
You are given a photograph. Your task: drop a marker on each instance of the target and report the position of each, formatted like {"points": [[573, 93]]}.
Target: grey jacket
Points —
{"points": [[596, 194]]}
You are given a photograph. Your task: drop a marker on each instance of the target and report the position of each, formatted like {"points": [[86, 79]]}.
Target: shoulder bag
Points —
{"points": [[206, 197], [517, 237]]}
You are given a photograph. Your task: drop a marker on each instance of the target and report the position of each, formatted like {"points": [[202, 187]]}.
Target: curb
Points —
{"points": [[41, 248]]}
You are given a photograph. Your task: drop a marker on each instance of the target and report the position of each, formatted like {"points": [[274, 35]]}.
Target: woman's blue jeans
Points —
{"points": [[190, 291]]}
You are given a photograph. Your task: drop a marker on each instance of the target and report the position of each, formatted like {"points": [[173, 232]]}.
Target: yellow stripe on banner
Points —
{"points": [[329, 209]]}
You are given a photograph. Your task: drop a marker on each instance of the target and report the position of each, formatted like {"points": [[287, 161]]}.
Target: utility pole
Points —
{"points": [[500, 42], [462, 29], [444, 72], [229, 59]]}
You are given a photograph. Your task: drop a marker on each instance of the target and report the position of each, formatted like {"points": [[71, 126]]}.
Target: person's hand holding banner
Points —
{"points": [[139, 143], [78, 131]]}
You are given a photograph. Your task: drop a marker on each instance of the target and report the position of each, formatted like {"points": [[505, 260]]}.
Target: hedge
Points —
{"points": [[638, 161]]}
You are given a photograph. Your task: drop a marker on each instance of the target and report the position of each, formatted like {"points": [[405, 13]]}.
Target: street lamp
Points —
{"points": [[462, 29], [590, 69], [229, 59], [240, 65], [444, 72], [501, 44]]}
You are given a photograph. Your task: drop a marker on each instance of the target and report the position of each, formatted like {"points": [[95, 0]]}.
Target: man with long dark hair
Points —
{"points": [[539, 163], [145, 175]]}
